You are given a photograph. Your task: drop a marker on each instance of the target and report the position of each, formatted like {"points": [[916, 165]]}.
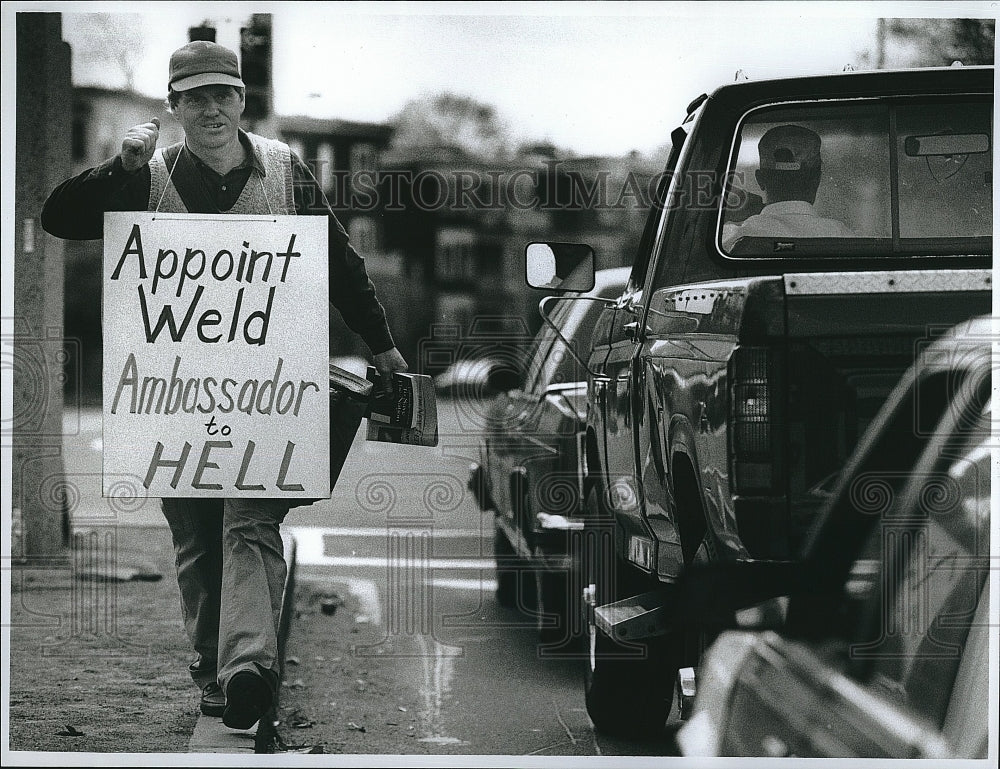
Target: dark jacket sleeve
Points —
{"points": [[351, 290], [75, 209]]}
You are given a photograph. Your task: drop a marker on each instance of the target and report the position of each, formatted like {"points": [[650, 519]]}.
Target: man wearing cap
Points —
{"points": [[789, 174], [229, 556]]}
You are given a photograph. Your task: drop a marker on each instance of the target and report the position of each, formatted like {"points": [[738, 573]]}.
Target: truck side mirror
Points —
{"points": [[559, 266]]}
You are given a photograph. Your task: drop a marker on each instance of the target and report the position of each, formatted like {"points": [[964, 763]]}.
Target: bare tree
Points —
{"points": [[110, 40], [449, 120], [932, 42]]}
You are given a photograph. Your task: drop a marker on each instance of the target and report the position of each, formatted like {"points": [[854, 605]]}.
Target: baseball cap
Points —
{"points": [[789, 148], [203, 63]]}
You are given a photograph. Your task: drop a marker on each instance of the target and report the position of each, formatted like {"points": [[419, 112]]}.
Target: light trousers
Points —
{"points": [[231, 574]]}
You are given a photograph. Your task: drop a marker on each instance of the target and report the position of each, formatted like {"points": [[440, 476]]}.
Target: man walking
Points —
{"points": [[229, 555]]}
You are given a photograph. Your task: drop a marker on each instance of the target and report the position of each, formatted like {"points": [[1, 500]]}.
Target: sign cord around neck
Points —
{"points": [[263, 190], [170, 176]]}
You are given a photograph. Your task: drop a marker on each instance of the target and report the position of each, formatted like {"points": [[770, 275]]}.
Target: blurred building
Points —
{"points": [[102, 115], [460, 225], [446, 222], [600, 200], [345, 157]]}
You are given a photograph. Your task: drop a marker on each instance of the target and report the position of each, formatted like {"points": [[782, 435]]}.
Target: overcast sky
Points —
{"points": [[592, 77]]}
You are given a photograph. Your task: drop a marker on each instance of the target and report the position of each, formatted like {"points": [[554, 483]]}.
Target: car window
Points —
{"points": [[560, 367], [549, 362], [944, 195], [655, 217], [534, 381], [860, 179], [934, 562]]}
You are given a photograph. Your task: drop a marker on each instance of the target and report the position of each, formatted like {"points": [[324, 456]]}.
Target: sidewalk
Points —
{"points": [[98, 654]]}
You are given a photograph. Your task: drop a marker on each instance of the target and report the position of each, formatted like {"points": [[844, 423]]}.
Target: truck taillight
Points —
{"points": [[752, 419]]}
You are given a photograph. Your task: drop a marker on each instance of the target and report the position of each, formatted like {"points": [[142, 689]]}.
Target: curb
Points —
{"points": [[209, 735]]}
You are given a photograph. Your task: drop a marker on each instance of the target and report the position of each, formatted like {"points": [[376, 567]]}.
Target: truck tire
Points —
{"points": [[629, 697], [697, 546], [628, 686]]}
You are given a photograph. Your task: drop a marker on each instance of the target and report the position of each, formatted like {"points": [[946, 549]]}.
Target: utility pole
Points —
{"points": [[43, 355], [880, 45]]}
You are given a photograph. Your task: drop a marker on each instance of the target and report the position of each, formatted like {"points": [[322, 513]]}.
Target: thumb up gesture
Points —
{"points": [[139, 145]]}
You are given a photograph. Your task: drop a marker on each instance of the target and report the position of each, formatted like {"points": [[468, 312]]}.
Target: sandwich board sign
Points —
{"points": [[216, 355]]}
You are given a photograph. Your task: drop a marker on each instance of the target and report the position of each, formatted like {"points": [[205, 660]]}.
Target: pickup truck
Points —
{"points": [[807, 236]]}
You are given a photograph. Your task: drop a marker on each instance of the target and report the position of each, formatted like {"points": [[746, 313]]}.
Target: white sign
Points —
{"points": [[216, 355]]}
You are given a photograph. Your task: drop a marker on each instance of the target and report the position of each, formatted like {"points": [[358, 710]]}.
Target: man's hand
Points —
{"points": [[388, 363], [139, 145]]}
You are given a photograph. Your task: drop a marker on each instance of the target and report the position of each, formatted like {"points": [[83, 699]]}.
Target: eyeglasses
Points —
{"points": [[224, 96]]}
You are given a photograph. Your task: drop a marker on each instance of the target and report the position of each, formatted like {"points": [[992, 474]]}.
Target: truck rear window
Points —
{"points": [[861, 178]]}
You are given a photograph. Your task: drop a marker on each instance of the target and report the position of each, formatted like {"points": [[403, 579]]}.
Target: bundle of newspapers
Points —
{"points": [[407, 415]]}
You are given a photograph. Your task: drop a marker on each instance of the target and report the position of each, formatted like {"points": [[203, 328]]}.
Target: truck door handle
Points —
{"points": [[632, 330], [703, 419]]}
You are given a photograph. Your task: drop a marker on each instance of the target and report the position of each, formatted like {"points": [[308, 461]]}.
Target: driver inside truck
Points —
{"points": [[789, 174]]}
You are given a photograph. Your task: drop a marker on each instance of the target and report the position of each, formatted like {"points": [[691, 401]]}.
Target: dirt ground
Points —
{"points": [[98, 665], [101, 666], [334, 701]]}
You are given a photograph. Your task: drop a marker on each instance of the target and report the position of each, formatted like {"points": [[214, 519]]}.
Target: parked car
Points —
{"points": [[468, 379], [529, 471], [880, 649]]}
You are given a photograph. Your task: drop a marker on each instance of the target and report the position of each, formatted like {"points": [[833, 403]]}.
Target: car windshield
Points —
{"points": [[550, 355], [844, 179], [934, 566]]}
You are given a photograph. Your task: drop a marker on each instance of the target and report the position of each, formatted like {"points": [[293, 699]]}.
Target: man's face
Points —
{"points": [[210, 115]]}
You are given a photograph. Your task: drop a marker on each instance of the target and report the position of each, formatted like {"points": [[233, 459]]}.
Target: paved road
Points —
{"points": [[403, 534]]}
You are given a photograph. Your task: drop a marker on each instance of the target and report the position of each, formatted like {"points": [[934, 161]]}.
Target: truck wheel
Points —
{"points": [[629, 697], [628, 686], [698, 547]]}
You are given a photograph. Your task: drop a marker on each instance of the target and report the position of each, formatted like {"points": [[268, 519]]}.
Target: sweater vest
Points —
{"points": [[270, 194]]}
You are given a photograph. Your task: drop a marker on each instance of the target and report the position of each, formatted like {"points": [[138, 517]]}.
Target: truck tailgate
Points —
{"points": [[850, 338]]}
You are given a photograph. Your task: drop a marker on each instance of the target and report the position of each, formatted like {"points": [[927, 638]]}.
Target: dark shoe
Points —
{"points": [[213, 700], [203, 665], [248, 697]]}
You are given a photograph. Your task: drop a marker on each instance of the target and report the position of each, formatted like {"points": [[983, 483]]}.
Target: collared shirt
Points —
{"points": [[225, 189], [75, 211], [786, 218]]}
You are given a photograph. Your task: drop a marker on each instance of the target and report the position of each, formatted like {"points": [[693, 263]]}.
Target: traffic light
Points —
{"points": [[255, 66], [204, 32]]}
